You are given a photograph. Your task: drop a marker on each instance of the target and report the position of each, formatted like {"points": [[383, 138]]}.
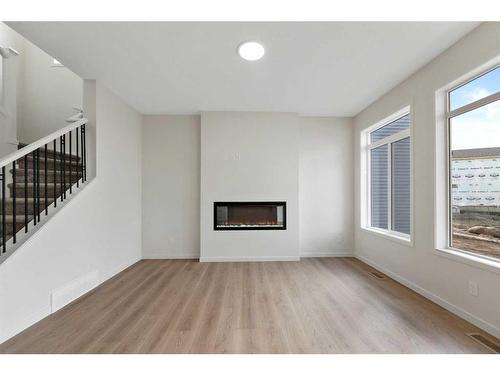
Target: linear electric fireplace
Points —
{"points": [[249, 215]]}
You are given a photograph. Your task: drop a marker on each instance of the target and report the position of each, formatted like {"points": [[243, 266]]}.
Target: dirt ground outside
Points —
{"points": [[481, 244]]}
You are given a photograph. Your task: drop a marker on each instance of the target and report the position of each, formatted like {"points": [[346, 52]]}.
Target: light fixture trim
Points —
{"points": [[251, 50]]}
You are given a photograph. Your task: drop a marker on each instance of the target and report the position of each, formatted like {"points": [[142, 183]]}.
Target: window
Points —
{"points": [[387, 150], [473, 121]]}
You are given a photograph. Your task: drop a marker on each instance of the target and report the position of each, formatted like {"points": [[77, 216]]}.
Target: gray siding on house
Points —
{"points": [[394, 127], [379, 187], [401, 218], [476, 153]]}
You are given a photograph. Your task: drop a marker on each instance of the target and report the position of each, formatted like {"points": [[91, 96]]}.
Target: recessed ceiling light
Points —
{"points": [[251, 51]]}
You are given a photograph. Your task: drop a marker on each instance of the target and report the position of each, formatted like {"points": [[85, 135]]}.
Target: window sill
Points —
{"points": [[471, 260], [392, 236]]}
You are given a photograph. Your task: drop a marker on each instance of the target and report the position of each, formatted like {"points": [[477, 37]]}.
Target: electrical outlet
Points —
{"points": [[473, 289]]}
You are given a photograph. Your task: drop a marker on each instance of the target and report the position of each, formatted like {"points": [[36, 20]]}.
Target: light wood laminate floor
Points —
{"points": [[322, 305]]}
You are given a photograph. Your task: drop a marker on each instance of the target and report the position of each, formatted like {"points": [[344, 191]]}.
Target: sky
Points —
{"points": [[479, 128]]}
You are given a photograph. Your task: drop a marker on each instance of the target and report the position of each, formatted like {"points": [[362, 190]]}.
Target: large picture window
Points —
{"points": [[388, 155], [473, 118]]}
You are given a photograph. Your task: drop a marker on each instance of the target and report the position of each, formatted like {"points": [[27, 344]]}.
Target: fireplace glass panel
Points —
{"points": [[249, 215]]}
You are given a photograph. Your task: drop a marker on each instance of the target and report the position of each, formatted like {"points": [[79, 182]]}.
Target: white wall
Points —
{"points": [[326, 186], [249, 157], [98, 231], [171, 187], [47, 95], [11, 84], [443, 279], [44, 95]]}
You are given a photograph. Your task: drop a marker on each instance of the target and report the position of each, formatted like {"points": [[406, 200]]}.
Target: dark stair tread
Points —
{"points": [[19, 218], [20, 201], [9, 230], [51, 190], [50, 176], [20, 184], [29, 208], [50, 152], [49, 160], [42, 171], [9, 227]]}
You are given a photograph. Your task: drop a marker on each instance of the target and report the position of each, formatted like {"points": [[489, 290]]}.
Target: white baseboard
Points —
{"points": [[120, 268], [327, 255], [66, 294], [33, 318], [63, 296], [168, 256], [251, 259], [84, 284], [491, 329]]}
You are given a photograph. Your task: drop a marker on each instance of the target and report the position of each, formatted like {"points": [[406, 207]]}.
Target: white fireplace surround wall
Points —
{"points": [[249, 156], [171, 175]]}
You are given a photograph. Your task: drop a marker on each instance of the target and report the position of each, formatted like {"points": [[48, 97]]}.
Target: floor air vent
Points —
{"points": [[377, 275], [495, 348]]}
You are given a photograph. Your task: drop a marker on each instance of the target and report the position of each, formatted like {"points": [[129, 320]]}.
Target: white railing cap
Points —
{"points": [[41, 142]]}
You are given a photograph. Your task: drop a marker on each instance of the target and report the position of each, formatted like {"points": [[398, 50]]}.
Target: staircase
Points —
{"points": [[37, 178]]}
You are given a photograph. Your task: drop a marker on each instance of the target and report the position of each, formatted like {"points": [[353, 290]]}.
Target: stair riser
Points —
{"points": [[9, 229], [50, 177], [50, 191], [50, 165], [57, 156], [9, 207]]}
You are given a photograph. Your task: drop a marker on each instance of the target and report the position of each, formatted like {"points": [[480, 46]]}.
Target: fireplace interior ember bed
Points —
{"points": [[249, 215]]}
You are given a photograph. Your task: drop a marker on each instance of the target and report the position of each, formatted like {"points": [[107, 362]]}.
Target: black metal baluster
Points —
{"points": [[84, 153], [26, 193], [33, 156], [38, 183], [64, 165], [61, 165], [81, 163], [70, 165], [14, 219], [45, 183], [4, 226], [55, 174], [77, 162]]}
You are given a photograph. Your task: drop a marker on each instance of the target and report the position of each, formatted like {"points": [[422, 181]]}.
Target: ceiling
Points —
{"points": [[324, 69]]}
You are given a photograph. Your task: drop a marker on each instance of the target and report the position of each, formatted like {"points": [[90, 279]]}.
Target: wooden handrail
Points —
{"points": [[41, 142]]}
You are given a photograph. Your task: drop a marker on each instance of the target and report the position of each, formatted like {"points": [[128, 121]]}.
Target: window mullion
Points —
{"points": [[369, 190], [389, 186], [393, 138], [474, 105]]}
